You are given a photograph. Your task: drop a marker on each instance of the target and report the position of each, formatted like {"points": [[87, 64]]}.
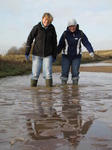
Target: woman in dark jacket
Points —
{"points": [[70, 45], [44, 49]]}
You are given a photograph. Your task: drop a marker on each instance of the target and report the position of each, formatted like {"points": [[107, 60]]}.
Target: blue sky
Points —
{"points": [[18, 17]]}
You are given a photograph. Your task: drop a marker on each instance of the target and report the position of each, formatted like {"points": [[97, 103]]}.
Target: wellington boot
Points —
{"points": [[75, 82], [64, 82], [48, 82], [33, 83]]}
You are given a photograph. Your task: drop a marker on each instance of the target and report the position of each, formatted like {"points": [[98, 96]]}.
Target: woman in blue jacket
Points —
{"points": [[70, 46]]}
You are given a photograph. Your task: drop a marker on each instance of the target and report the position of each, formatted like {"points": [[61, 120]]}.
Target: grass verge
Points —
{"points": [[12, 65]]}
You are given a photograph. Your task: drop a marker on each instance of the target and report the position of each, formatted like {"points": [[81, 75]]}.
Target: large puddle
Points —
{"points": [[57, 118]]}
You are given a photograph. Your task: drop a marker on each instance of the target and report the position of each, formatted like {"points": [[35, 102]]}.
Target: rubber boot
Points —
{"points": [[75, 82], [48, 82], [64, 82], [33, 83]]}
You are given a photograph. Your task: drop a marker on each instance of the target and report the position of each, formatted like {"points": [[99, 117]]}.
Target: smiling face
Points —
{"points": [[45, 22], [47, 19], [72, 28]]}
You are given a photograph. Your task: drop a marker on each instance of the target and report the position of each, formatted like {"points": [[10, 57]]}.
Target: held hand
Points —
{"points": [[54, 60], [91, 54], [27, 57]]}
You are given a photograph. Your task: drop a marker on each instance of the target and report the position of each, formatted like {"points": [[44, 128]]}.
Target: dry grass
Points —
{"points": [[107, 69], [12, 65], [17, 64], [99, 56], [104, 53], [14, 58]]}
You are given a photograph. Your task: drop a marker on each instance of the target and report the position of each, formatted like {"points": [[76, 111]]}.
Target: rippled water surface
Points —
{"points": [[56, 118]]}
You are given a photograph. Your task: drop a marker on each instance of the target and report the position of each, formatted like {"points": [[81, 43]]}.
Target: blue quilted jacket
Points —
{"points": [[70, 43]]}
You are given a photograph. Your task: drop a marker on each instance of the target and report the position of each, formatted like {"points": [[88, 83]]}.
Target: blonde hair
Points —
{"points": [[48, 16]]}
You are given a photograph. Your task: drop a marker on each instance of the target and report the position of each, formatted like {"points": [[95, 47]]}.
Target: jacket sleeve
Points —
{"points": [[87, 44], [61, 44], [54, 43], [30, 40]]}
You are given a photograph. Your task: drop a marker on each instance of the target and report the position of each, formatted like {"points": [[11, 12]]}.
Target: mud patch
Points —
{"points": [[58, 118]]}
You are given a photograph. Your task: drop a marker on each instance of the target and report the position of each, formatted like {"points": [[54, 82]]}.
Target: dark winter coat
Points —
{"points": [[70, 43], [45, 41]]}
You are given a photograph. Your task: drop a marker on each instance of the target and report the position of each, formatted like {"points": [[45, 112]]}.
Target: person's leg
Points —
{"points": [[47, 70], [36, 69], [65, 69], [75, 70]]}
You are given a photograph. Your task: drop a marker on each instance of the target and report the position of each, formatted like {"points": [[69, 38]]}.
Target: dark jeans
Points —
{"points": [[74, 64]]}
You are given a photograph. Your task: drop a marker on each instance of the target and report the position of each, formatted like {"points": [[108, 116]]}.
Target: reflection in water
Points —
{"points": [[57, 118], [57, 114]]}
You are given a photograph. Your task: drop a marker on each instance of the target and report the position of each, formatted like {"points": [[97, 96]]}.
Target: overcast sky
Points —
{"points": [[17, 17]]}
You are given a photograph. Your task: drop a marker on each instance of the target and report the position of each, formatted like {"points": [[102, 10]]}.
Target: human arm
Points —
{"points": [[27, 56], [87, 45], [61, 44], [54, 40], [30, 41]]}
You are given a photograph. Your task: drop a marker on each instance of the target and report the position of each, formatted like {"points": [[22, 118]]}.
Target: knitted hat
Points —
{"points": [[72, 22]]}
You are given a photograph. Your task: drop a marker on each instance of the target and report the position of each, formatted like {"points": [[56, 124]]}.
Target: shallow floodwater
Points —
{"points": [[97, 64], [56, 118]]}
